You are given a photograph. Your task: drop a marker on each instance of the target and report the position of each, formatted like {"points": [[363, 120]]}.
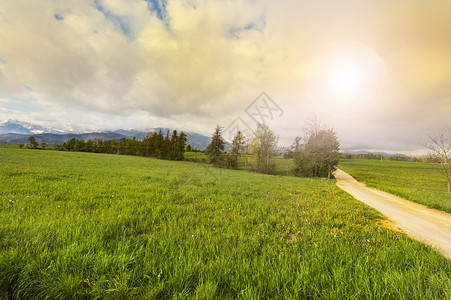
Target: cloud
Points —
{"points": [[77, 53]]}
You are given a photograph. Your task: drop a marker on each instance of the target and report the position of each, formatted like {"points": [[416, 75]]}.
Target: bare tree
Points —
{"points": [[439, 146], [313, 127], [296, 145], [319, 155]]}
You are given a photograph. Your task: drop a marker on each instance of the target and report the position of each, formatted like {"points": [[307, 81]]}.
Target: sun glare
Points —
{"points": [[347, 76], [344, 79]]}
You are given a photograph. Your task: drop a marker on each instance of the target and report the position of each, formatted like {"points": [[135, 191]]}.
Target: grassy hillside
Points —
{"points": [[82, 225], [418, 182]]}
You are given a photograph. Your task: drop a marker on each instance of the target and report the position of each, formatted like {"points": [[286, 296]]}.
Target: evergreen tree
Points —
{"points": [[159, 139], [166, 148], [131, 146], [79, 146], [121, 146], [216, 148], [181, 145], [70, 144], [173, 148], [90, 146]]}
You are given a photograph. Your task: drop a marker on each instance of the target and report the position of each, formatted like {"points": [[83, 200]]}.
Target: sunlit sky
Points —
{"points": [[379, 72]]}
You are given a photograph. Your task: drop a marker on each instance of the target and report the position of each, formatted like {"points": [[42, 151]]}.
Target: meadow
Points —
{"points": [[100, 226], [283, 166], [423, 183]]}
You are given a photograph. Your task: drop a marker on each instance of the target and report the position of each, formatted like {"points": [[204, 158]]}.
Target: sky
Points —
{"points": [[378, 72]]}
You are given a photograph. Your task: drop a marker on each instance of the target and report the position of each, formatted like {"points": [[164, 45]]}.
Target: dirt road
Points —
{"points": [[425, 224]]}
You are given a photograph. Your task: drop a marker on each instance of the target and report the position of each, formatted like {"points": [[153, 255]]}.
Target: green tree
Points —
{"points": [[99, 145], [90, 146], [173, 149], [32, 143], [69, 145], [263, 149], [215, 149], [131, 146], [159, 140], [147, 145], [121, 146], [166, 146], [238, 146], [181, 145], [79, 146]]}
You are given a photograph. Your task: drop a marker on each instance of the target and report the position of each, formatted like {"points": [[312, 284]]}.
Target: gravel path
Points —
{"points": [[425, 224]]}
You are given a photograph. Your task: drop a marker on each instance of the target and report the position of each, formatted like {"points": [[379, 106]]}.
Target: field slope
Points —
{"points": [[82, 225], [418, 182]]}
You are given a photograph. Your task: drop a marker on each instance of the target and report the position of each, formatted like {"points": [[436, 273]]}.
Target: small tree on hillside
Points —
{"points": [[263, 149], [439, 146], [216, 148]]}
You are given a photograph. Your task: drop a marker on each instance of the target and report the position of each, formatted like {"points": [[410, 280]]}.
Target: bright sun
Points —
{"points": [[344, 79], [346, 76]]}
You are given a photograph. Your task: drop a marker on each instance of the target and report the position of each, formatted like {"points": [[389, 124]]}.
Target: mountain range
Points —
{"points": [[15, 131]]}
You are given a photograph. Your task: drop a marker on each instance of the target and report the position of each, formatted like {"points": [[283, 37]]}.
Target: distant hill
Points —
{"points": [[14, 131], [377, 153]]}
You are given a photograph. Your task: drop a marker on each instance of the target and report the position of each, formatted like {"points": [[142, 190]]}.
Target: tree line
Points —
{"points": [[317, 156], [314, 155], [373, 156], [170, 146]]}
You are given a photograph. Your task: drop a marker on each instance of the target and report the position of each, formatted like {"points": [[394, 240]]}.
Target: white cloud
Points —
{"points": [[189, 64]]}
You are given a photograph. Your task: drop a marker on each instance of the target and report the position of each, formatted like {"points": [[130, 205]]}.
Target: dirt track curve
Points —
{"points": [[425, 224]]}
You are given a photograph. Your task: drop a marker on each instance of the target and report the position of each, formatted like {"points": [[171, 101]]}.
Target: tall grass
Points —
{"points": [[424, 183], [82, 225]]}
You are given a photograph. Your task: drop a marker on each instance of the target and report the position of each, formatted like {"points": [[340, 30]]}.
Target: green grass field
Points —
{"points": [[83, 225], [283, 166], [423, 183]]}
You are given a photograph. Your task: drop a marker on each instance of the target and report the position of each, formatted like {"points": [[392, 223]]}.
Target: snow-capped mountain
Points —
{"points": [[20, 127], [14, 131]]}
